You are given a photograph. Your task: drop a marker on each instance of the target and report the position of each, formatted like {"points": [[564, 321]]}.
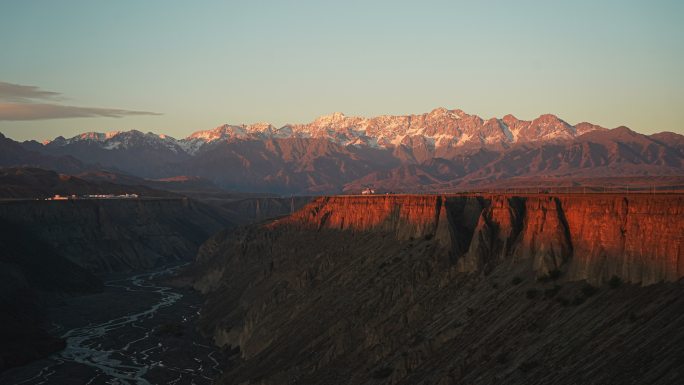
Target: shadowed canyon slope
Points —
{"points": [[32, 275], [119, 234], [452, 289]]}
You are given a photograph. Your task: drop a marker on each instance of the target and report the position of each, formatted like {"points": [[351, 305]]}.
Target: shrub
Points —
{"points": [[502, 358], [551, 276], [171, 329], [417, 340], [383, 372], [551, 292], [516, 280], [531, 294], [528, 365], [615, 282], [534, 327], [563, 301], [554, 274], [589, 290]]}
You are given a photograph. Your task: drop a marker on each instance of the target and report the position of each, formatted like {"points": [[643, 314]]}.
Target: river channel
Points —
{"points": [[137, 332]]}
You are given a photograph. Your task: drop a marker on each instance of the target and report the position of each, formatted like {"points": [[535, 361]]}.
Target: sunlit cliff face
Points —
{"points": [[594, 237]]}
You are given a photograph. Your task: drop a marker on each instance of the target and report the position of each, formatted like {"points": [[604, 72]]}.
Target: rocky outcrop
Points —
{"points": [[451, 289], [117, 234]]}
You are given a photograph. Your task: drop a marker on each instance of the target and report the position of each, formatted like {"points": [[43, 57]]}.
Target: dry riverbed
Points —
{"points": [[138, 331]]}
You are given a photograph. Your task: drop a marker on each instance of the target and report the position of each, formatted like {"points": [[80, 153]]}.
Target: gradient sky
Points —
{"points": [[204, 63]]}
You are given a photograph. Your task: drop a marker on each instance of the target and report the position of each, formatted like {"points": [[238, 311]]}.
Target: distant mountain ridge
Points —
{"points": [[441, 150], [439, 128]]}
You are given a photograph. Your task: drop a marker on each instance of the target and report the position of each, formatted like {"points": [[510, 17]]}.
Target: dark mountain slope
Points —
{"points": [[13, 154], [35, 183], [133, 152], [121, 234], [286, 165]]}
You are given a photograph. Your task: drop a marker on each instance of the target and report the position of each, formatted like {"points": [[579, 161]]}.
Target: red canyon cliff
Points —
{"points": [[477, 289], [638, 237]]}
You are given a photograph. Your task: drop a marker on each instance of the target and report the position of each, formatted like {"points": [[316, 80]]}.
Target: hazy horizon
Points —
{"points": [[174, 68]]}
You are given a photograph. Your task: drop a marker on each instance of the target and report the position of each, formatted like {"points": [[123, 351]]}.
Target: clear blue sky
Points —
{"points": [[204, 63]]}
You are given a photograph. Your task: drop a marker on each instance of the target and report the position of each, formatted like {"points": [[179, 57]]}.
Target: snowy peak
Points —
{"points": [[441, 129], [90, 137], [228, 131], [115, 140], [335, 117]]}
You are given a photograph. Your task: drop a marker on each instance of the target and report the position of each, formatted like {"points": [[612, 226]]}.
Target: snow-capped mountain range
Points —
{"points": [[438, 150], [438, 129]]}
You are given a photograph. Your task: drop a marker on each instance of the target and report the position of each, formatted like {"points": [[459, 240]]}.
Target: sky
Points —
{"points": [[175, 67]]}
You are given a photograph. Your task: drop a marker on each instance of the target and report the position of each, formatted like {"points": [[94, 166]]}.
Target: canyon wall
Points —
{"points": [[638, 237], [117, 234], [402, 289]]}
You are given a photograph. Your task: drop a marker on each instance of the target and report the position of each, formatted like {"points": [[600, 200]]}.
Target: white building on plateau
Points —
{"points": [[58, 197], [367, 191]]}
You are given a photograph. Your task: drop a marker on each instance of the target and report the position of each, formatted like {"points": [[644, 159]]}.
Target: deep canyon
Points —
{"points": [[394, 289]]}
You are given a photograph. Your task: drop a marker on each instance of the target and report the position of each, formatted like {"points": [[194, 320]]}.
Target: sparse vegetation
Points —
{"points": [[531, 293], [578, 300], [516, 280]]}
